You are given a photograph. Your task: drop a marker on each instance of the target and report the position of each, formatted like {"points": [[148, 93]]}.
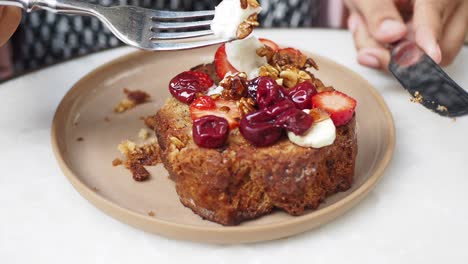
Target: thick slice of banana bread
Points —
{"points": [[241, 181]]}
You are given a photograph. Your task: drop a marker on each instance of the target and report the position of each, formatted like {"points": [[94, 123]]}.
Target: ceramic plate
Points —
{"points": [[87, 163]]}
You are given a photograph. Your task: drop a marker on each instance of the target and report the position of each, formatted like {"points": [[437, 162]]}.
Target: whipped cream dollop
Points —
{"points": [[319, 135], [228, 16], [242, 54], [214, 90]]}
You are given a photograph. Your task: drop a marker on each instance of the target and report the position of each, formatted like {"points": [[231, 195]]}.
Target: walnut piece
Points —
{"points": [[246, 106], [235, 86], [244, 30]]}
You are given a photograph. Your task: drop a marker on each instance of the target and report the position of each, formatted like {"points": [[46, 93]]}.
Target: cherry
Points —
{"points": [[295, 120], [210, 131], [259, 129], [186, 85], [265, 91], [302, 94]]}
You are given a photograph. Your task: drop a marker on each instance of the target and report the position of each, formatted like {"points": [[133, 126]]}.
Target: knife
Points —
{"points": [[426, 81]]}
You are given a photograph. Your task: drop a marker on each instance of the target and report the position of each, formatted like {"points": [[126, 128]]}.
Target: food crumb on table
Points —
{"points": [[151, 213], [417, 98], [80, 139], [442, 108]]}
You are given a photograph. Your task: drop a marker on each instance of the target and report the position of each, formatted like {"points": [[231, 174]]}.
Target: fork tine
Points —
{"points": [[158, 14], [181, 25], [170, 46], [181, 35]]}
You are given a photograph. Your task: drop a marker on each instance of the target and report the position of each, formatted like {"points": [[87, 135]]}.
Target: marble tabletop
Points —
{"points": [[417, 214]]}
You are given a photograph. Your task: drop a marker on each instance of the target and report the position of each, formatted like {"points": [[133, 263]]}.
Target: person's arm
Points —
{"points": [[439, 27], [10, 18]]}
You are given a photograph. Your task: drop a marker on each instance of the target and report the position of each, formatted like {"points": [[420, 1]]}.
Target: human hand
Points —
{"points": [[9, 20], [439, 27]]}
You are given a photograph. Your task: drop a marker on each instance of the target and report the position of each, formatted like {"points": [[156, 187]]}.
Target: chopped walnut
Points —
{"points": [[266, 52], [247, 26], [246, 105], [290, 78], [235, 86], [269, 71], [244, 30], [246, 3]]}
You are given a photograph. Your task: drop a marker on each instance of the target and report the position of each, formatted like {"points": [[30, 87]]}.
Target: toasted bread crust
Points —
{"points": [[241, 181]]}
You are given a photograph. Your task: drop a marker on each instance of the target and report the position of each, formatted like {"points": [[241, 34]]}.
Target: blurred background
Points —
{"points": [[44, 38]]}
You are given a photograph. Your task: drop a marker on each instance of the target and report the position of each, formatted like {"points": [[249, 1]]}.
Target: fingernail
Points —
{"points": [[352, 23], [435, 53], [391, 30], [369, 60], [427, 41]]}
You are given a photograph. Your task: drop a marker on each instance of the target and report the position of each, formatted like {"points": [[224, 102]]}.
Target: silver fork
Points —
{"points": [[136, 26]]}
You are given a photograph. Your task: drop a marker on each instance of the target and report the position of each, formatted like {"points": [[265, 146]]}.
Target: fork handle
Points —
{"points": [[56, 6]]}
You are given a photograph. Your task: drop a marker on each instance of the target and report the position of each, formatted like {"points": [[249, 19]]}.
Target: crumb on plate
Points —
{"points": [[133, 99], [138, 156]]}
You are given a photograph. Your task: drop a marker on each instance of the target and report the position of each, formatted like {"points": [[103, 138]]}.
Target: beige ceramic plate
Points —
{"points": [[87, 163]]}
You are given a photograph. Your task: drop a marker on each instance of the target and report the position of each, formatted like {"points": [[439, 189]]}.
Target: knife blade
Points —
{"points": [[426, 81]]}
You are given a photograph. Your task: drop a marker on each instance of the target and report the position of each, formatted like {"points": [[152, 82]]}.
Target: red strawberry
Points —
{"points": [[221, 62], [205, 105], [269, 43], [340, 106]]}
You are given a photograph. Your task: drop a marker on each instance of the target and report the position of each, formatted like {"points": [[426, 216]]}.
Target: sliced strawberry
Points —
{"points": [[221, 62], [204, 79], [269, 43], [340, 106], [205, 105]]}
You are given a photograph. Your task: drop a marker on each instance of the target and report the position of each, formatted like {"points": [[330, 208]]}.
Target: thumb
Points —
{"points": [[382, 17]]}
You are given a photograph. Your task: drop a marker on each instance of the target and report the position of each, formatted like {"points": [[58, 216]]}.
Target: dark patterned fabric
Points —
{"points": [[45, 38]]}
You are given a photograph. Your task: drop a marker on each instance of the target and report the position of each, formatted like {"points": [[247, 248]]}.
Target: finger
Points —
{"points": [[382, 18], [453, 36], [9, 21], [427, 23], [370, 52]]}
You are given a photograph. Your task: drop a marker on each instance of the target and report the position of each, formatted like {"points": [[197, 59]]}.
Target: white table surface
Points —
{"points": [[418, 213]]}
